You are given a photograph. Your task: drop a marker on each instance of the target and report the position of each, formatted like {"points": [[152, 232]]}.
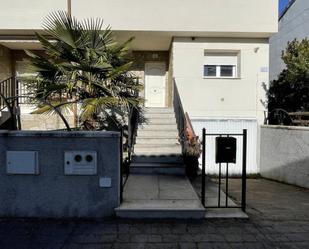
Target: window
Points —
{"points": [[227, 71], [221, 65], [210, 70]]}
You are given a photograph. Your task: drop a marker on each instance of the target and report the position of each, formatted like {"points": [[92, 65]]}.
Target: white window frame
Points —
{"points": [[218, 71], [218, 66]]}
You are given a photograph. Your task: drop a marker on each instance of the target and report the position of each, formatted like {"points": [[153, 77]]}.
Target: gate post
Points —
{"points": [[203, 166], [244, 171], [121, 164]]}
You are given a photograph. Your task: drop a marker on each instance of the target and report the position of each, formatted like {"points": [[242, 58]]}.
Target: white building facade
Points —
{"points": [[293, 24], [216, 52]]}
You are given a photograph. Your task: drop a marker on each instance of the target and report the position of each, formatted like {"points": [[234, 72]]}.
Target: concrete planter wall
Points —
{"points": [[285, 154], [51, 193]]}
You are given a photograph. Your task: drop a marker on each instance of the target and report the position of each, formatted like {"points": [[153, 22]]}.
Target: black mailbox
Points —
{"points": [[225, 150]]}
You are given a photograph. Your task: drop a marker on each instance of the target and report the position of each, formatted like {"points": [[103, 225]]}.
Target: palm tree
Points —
{"points": [[82, 65]]}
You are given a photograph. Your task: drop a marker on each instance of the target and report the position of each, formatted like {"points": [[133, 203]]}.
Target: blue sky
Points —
{"points": [[282, 4]]}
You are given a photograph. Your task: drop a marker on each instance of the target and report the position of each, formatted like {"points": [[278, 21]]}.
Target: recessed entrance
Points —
{"points": [[155, 81]]}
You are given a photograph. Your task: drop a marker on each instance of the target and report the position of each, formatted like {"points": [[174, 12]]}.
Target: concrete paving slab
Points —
{"points": [[159, 196], [212, 196], [224, 213], [176, 188], [141, 187]]}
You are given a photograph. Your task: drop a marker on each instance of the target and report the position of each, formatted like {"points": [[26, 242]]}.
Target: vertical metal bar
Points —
{"points": [[121, 163], [244, 172], [7, 87], [2, 92], [18, 93], [219, 187], [227, 184], [203, 167]]}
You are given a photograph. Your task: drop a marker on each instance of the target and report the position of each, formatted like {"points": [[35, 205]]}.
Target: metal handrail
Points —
{"points": [[9, 99], [185, 128], [7, 91], [279, 116], [132, 128], [179, 111]]}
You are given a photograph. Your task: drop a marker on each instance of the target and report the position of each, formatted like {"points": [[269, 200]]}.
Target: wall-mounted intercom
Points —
{"points": [[80, 163]]}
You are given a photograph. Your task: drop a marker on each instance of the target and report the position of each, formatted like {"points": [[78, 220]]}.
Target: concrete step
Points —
{"points": [[159, 115], [157, 153], [172, 146], [159, 110], [157, 134], [158, 127], [156, 150], [158, 168], [156, 140], [157, 159], [155, 121], [167, 209]]}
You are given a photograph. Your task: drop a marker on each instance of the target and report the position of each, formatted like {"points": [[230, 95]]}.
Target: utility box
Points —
{"points": [[22, 163], [80, 163], [226, 149]]}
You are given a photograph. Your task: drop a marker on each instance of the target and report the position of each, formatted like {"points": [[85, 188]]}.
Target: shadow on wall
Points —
{"points": [[296, 173], [285, 154]]}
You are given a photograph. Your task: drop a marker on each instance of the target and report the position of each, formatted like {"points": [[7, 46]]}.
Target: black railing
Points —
{"points": [[283, 117], [128, 147], [179, 111], [121, 164], [243, 175], [8, 88], [132, 129], [278, 117], [9, 100]]}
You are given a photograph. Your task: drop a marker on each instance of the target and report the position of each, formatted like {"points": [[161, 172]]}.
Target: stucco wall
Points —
{"points": [[294, 24], [28, 15], [137, 15], [175, 15], [204, 97], [285, 154], [51, 193]]}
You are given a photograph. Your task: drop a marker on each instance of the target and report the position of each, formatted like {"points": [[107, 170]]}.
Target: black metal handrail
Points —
{"points": [[179, 111], [9, 100], [278, 117], [185, 128], [8, 88], [133, 120], [132, 128]]}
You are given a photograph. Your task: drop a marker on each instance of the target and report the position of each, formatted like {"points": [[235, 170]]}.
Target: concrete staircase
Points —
{"points": [[157, 186], [157, 149]]}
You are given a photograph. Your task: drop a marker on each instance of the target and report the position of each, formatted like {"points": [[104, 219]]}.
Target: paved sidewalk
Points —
{"points": [[279, 218]]}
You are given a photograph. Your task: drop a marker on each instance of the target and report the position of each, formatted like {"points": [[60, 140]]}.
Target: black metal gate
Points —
{"points": [[225, 153]]}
